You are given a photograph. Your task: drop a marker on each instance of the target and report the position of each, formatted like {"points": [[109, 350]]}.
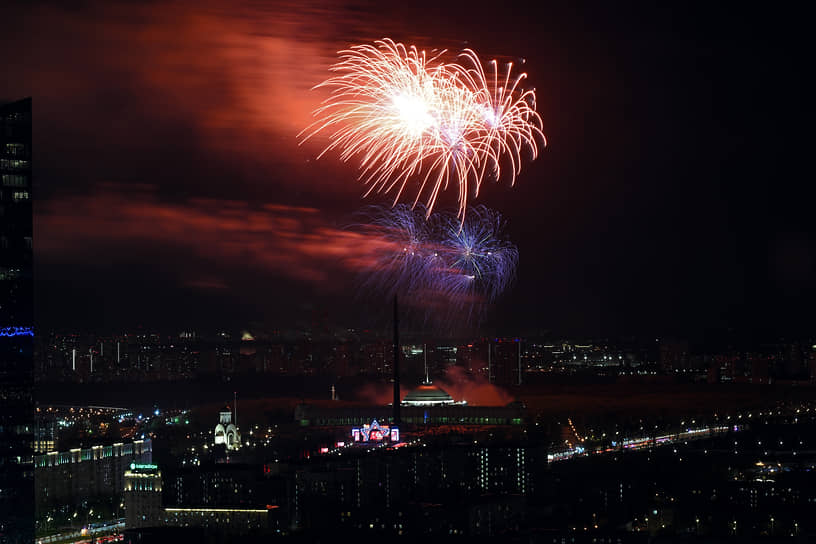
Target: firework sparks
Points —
{"points": [[407, 258], [509, 122], [480, 259], [450, 269], [410, 117]]}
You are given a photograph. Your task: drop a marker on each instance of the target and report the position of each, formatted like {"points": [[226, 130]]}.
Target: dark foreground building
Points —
{"points": [[16, 314], [16, 300]]}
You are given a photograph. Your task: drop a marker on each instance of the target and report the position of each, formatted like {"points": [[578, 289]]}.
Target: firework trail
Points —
{"points": [[406, 259], [509, 121], [410, 117], [447, 269], [480, 261]]}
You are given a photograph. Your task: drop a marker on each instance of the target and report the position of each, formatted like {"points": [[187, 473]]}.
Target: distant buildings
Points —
{"points": [[812, 364], [473, 357], [214, 485], [504, 361], [674, 355], [427, 405], [70, 477], [232, 521], [489, 481], [143, 507], [504, 470], [461, 488]]}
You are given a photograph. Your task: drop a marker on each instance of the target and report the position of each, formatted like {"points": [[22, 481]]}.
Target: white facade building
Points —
{"points": [[226, 432]]}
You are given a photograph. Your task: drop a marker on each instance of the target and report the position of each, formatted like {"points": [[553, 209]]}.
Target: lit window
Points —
{"points": [[15, 149], [12, 180]]}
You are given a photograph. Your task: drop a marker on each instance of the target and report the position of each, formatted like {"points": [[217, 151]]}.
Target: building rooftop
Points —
{"points": [[427, 395]]}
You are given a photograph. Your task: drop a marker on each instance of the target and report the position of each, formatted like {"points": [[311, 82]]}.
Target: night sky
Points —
{"points": [[674, 196]]}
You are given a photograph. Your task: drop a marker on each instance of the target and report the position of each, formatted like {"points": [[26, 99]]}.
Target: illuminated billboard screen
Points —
{"points": [[375, 433]]}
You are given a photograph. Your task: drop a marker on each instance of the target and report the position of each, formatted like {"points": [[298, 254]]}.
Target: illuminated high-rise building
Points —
{"points": [[15, 214], [473, 357], [143, 497], [812, 364], [16, 316], [504, 470], [69, 478], [504, 362]]}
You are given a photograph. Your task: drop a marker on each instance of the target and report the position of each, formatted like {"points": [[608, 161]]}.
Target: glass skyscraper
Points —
{"points": [[16, 325]]}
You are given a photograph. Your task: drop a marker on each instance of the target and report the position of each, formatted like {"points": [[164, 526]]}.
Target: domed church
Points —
{"points": [[226, 432]]}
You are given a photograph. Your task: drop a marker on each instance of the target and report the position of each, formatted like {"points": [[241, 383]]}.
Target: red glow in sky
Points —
{"points": [[292, 242]]}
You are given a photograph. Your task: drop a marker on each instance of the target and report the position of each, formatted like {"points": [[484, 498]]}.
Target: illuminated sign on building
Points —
{"points": [[137, 466], [375, 433]]}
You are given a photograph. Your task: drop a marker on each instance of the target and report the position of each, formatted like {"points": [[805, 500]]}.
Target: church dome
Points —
{"points": [[427, 395]]}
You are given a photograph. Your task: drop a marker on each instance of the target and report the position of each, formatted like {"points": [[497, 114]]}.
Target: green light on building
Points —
{"points": [[137, 466]]}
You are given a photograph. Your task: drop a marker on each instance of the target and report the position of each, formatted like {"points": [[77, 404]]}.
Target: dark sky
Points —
{"points": [[673, 196]]}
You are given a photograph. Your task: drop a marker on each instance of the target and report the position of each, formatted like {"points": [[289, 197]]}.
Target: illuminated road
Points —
{"points": [[643, 442], [109, 531]]}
